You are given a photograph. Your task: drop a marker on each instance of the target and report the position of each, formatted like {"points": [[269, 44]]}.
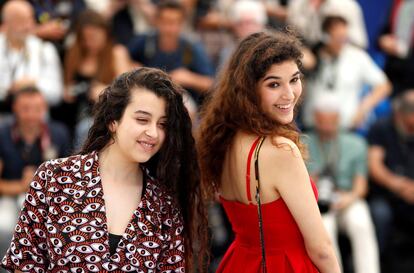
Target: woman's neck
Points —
{"points": [[115, 166]]}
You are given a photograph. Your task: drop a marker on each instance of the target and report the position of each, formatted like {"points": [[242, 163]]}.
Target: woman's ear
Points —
{"points": [[112, 126]]}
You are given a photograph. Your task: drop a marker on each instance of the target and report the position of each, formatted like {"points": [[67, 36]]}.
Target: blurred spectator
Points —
{"points": [[24, 58], [277, 11], [104, 7], [215, 21], [131, 17], [247, 17], [216, 14], [397, 42], [134, 17], [338, 165], [54, 19], [91, 63], [391, 165], [212, 25], [307, 16], [25, 142], [344, 70], [185, 61]]}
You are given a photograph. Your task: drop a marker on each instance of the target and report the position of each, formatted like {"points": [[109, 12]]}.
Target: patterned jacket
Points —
{"points": [[62, 226]]}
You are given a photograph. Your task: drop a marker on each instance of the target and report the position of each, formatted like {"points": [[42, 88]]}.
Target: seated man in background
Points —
{"points": [[185, 61], [25, 142], [338, 165], [391, 166], [24, 58]]}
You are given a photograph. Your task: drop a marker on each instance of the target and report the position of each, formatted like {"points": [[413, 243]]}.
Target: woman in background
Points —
{"points": [[253, 105], [91, 63]]}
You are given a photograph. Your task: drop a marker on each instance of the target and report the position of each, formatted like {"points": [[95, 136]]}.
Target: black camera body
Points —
{"points": [[326, 189]]}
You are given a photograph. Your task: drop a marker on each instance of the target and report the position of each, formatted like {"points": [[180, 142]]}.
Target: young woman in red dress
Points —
{"points": [[255, 99]]}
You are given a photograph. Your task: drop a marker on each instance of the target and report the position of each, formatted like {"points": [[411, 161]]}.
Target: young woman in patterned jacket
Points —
{"points": [[103, 210]]}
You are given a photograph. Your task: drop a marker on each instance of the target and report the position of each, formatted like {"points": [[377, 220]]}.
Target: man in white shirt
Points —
{"points": [[344, 70], [24, 58]]}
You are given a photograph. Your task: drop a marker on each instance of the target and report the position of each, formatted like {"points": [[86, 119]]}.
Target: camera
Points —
{"points": [[326, 188]]}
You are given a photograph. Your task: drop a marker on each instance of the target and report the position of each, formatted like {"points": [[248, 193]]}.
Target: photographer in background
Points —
{"points": [[26, 141], [345, 71], [391, 166], [338, 165]]}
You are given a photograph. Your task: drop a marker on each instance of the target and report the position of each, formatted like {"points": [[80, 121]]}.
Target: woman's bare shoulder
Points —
{"points": [[282, 163], [279, 147]]}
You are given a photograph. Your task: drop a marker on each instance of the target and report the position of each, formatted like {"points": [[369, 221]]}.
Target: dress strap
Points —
{"points": [[249, 160]]}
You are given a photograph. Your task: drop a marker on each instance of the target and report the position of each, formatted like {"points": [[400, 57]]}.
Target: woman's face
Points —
{"points": [[94, 38], [141, 131], [279, 91]]}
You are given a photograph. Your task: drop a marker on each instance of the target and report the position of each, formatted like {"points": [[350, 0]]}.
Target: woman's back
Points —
{"points": [[233, 179], [284, 243]]}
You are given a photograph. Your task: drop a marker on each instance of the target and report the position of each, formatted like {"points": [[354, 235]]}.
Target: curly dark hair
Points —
{"points": [[175, 165], [235, 105]]}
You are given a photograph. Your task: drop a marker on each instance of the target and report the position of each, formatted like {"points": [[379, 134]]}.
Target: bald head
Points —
{"points": [[18, 19], [16, 8]]}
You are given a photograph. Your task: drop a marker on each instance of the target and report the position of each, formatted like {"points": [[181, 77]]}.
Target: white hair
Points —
{"points": [[253, 8], [327, 103]]}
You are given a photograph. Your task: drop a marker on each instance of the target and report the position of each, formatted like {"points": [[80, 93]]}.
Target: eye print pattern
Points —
{"points": [[62, 226]]}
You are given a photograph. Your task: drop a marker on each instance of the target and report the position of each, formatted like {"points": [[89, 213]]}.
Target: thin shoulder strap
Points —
{"points": [[249, 160], [259, 204], [256, 161]]}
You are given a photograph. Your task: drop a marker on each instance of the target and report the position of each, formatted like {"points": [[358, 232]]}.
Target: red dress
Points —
{"points": [[285, 248]]}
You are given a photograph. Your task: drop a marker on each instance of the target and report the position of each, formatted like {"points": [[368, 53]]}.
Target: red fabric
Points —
{"points": [[285, 248]]}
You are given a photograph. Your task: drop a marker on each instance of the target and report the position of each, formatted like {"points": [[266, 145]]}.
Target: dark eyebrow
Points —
{"points": [[148, 114], [278, 78], [142, 112]]}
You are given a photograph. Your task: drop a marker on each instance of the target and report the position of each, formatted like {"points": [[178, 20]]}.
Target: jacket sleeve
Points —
{"points": [[28, 248]]}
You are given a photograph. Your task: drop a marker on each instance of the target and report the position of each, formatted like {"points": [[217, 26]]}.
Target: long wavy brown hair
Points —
{"points": [[234, 104], [175, 165], [77, 52]]}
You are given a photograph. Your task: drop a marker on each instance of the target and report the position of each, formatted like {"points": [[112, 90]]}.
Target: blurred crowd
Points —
{"points": [[357, 113]]}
